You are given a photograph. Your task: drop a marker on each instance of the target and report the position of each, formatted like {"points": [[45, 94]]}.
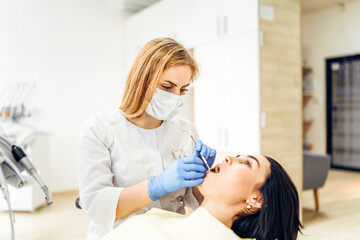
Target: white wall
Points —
{"points": [[327, 33], [72, 50]]}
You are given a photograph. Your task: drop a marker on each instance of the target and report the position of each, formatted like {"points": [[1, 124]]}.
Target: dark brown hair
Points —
{"points": [[279, 216]]}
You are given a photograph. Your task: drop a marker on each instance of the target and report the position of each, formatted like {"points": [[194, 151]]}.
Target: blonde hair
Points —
{"points": [[152, 60]]}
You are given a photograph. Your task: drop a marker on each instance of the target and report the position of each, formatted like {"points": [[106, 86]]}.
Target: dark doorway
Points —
{"points": [[343, 111]]}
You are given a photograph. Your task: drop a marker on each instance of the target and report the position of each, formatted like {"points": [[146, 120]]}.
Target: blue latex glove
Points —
{"points": [[207, 152], [183, 172]]}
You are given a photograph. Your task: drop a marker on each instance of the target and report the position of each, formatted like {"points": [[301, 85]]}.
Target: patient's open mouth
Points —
{"points": [[215, 169]]}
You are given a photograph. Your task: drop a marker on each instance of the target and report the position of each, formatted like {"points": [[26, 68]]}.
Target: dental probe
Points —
{"points": [[202, 157]]}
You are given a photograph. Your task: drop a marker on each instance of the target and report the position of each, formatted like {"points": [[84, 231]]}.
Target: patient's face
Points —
{"points": [[235, 178]]}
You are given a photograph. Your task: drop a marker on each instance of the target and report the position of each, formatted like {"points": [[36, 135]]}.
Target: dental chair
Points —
{"points": [[315, 170]]}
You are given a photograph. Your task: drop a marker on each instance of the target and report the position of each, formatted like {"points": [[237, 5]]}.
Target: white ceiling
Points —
{"points": [[131, 6], [313, 5]]}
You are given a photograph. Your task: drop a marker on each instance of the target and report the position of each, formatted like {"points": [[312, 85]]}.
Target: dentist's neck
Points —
{"points": [[224, 214], [146, 121]]}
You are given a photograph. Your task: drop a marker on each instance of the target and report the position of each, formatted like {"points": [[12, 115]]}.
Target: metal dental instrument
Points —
{"points": [[13, 161], [21, 158], [5, 191], [202, 157], [16, 161]]}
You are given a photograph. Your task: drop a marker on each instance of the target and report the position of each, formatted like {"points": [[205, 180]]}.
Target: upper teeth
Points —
{"points": [[217, 169]]}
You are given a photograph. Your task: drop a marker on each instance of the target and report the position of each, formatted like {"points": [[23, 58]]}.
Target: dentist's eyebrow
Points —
{"points": [[171, 83]]}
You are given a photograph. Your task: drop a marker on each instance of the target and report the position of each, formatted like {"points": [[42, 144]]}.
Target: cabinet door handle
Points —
{"points": [[225, 24]]}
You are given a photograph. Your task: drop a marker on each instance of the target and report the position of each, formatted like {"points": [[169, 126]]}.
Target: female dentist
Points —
{"points": [[141, 156]]}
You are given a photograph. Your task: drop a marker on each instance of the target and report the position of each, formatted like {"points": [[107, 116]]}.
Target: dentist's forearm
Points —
{"points": [[132, 199]]}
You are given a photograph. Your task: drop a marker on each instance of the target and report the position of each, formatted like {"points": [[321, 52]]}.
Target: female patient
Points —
{"points": [[252, 195]]}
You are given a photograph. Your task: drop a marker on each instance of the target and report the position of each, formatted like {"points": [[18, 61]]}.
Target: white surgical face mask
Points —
{"points": [[164, 105]]}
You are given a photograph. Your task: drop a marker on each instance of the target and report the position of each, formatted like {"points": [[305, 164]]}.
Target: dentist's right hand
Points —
{"points": [[183, 172]]}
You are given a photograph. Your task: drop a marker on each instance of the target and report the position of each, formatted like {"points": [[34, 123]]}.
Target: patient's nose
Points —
{"points": [[227, 160]]}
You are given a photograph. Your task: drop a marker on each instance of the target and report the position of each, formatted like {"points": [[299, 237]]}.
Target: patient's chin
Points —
{"points": [[202, 186], [206, 190], [205, 184]]}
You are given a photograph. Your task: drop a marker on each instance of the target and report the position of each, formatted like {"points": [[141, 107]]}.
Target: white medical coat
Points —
{"points": [[158, 224], [114, 154]]}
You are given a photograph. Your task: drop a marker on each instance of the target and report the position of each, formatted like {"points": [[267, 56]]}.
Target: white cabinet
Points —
{"points": [[219, 19], [242, 95], [240, 16], [208, 21], [227, 94], [182, 29], [209, 93]]}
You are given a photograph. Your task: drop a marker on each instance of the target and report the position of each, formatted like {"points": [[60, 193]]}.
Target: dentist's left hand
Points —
{"points": [[182, 173]]}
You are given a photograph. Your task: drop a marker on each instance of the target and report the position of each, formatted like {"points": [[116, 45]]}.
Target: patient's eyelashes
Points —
{"points": [[244, 161]]}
